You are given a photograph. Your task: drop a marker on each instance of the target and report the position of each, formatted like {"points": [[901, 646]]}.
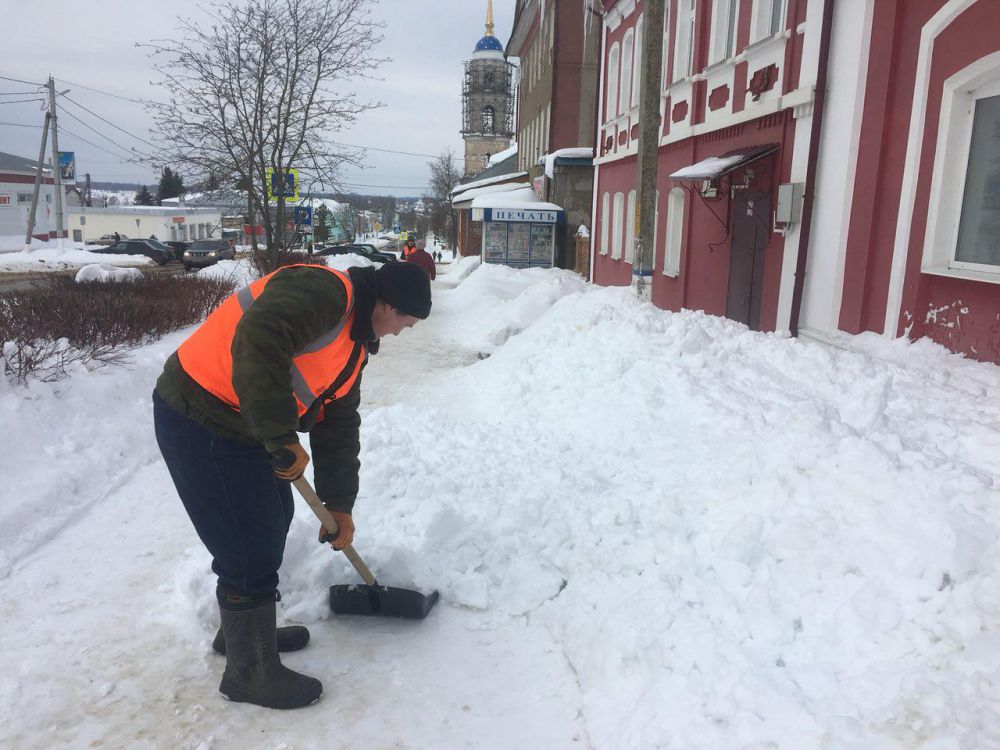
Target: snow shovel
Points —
{"points": [[373, 598]]}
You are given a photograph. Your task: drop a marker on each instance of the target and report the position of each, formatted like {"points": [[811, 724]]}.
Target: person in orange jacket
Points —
{"points": [[408, 247], [280, 356], [423, 259]]}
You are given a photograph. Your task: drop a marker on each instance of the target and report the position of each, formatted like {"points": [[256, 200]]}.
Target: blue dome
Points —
{"points": [[489, 43]]}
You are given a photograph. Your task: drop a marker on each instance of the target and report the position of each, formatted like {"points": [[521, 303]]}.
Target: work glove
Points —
{"points": [[345, 526], [290, 461]]}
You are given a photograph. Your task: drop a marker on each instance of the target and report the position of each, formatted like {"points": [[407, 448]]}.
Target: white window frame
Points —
{"points": [[725, 23], [605, 218], [667, 47], [674, 234], [630, 227], [637, 65], [625, 85], [616, 226], [684, 41], [979, 80], [762, 23], [656, 226], [611, 101]]}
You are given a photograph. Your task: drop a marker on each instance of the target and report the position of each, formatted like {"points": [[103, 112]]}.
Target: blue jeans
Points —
{"points": [[239, 508]]}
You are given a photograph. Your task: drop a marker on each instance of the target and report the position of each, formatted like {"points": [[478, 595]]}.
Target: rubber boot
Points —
{"points": [[254, 673], [289, 638]]}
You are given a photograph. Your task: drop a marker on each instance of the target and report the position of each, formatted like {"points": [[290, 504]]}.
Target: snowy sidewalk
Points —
{"points": [[649, 531]]}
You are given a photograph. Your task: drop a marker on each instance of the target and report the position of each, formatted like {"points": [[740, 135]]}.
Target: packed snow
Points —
{"points": [[48, 256], [105, 272], [649, 530]]}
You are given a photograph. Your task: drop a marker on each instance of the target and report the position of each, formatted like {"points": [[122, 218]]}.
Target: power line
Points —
{"points": [[106, 93], [391, 151], [19, 125], [21, 101], [98, 132], [102, 119], [18, 80]]}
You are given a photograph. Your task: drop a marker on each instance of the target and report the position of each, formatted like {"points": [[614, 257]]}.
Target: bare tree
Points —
{"points": [[444, 177], [255, 91]]}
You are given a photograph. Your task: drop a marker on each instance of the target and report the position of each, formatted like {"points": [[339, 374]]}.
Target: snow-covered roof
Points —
{"points": [[487, 181], [499, 156], [469, 195], [716, 166], [564, 153], [523, 198]]}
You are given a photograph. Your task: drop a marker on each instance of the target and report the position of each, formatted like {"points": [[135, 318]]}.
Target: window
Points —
{"points": [[637, 66], [605, 200], [768, 18], [980, 212], [616, 239], [666, 46], [723, 29], [24, 197], [684, 46], [488, 126], [675, 225], [630, 228], [960, 238], [625, 96], [611, 103]]}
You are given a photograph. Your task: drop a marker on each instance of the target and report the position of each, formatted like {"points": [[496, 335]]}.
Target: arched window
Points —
{"points": [[675, 226], [626, 87], [637, 66], [488, 113], [616, 240], [611, 106]]}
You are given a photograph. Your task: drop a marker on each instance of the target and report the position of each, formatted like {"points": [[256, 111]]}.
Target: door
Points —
{"points": [[751, 231]]}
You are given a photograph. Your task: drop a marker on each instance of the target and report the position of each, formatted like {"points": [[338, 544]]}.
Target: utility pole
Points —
{"points": [[649, 143], [38, 184], [56, 169]]}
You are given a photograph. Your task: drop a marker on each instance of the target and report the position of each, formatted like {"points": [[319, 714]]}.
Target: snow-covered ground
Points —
{"points": [[48, 256], [649, 530]]}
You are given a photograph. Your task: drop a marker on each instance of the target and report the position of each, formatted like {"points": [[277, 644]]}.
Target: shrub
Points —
{"points": [[263, 263], [47, 329]]}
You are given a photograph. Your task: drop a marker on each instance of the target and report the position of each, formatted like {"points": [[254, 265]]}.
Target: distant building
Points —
{"points": [[487, 100], [17, 183], [558, 45], [139, 222]]}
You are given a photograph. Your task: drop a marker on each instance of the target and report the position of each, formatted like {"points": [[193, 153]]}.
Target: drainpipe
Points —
{"points": [[826, 34]]}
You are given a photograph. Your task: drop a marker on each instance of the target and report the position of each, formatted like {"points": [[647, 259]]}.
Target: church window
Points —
{"points": [[488, 114]]}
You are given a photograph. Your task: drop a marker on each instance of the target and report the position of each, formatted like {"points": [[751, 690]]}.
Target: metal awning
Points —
{"points": [[715, 167]]}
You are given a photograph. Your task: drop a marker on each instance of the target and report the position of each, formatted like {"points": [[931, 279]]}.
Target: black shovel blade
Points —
{"points": [[383, 601]]}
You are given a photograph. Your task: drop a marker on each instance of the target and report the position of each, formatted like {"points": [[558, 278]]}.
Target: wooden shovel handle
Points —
{"points": [[305, 489]]}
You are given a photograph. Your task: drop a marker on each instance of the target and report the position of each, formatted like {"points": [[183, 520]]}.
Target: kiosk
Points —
{"points": [[519, 229]]}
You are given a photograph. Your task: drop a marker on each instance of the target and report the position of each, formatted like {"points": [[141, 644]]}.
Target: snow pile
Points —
{"points": [[46, 256], [105, 272], [499, 156], [650, 530], [706, 168], [240, 271]]}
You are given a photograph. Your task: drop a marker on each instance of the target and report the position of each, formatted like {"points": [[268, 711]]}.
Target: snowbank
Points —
{"points": [[46, 256], [665, 530], [105, 272]]}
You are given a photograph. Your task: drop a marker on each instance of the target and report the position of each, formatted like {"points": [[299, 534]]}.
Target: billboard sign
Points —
{"points": [[67, 165]]}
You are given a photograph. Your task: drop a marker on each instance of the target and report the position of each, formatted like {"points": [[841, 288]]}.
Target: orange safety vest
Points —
{"points": [[333, 359]]}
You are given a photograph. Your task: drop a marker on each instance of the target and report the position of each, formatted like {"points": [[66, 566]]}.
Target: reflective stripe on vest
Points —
{"points": [[329, 364]]}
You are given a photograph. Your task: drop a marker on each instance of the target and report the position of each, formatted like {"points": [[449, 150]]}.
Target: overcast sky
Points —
{"points": [[93, 44]]}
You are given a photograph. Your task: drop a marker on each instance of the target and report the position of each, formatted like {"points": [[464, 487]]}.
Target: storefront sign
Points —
{"points": [[520, 214], [7, 199], [178, 220]]}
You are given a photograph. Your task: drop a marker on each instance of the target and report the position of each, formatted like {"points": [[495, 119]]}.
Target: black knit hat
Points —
{"points": [[406, 287]]}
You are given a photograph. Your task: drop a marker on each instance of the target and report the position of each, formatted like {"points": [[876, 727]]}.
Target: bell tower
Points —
{"points": [[487, 100]]}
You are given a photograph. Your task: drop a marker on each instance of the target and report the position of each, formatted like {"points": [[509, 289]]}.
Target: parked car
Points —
{"points": [[207, 252], [108, 239], [363, 249], [152, 249], [179, 248]]}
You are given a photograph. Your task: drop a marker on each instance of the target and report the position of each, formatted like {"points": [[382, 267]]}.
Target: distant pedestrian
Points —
{"points": [[409, 247], [118, 237], [422, 258]]}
